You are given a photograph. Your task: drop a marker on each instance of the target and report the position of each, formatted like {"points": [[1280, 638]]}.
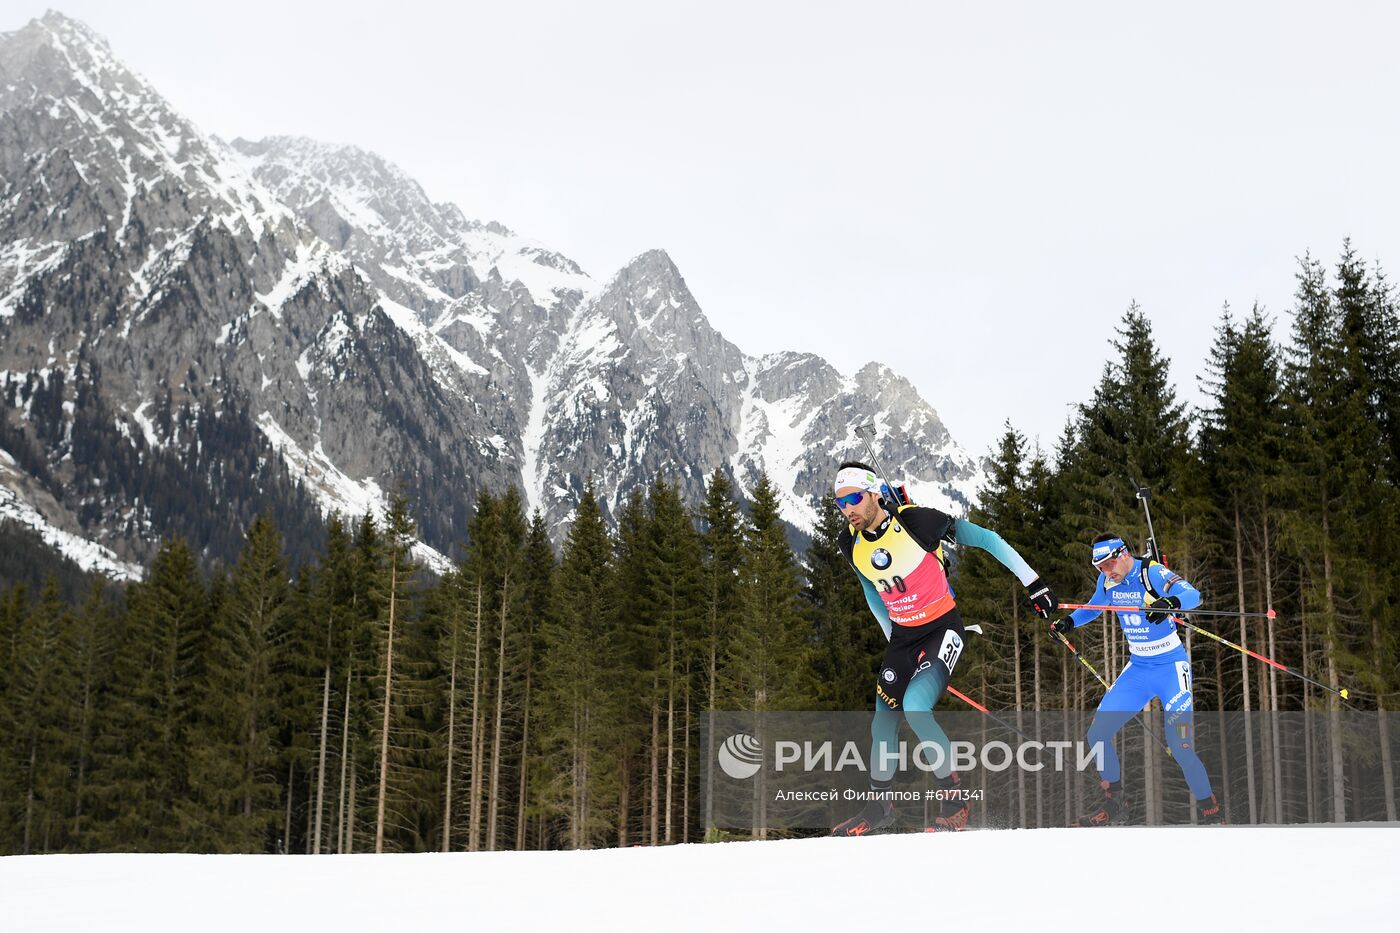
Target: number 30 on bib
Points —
{"points": [[949, 650]]}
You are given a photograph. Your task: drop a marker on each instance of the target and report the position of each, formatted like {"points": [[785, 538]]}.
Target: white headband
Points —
{"points": [[861, 479]]}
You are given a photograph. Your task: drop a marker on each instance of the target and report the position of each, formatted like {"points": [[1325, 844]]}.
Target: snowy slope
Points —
{"points": [[1169, 879], [86, 554]]}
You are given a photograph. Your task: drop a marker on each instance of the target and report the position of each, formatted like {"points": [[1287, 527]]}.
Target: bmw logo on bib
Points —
{"points": [[880, 559]]}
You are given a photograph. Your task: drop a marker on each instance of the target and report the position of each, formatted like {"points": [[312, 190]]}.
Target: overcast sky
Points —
{"points": [[972, 193]]}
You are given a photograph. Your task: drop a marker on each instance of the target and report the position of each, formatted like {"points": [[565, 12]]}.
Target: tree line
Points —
{"points": [[1280, 492], [534, 699]]}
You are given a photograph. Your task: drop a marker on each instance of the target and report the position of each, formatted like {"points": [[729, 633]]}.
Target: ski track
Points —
{"points": [[1141, 879]]}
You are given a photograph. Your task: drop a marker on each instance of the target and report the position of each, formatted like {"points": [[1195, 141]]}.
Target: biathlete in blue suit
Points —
{"points": [[1159, 668], [897, 554]]}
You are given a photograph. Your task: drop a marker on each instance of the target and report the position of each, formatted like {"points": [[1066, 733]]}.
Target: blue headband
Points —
{"points": [[1106, 549]]}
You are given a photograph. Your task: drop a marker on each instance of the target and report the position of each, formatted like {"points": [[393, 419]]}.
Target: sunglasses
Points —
{"points": [[852, 499], [1098, 564]]}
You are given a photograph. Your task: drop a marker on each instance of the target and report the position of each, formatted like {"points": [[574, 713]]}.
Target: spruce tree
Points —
{"points": [[1329, 440], [140, 777], [319, 667], [12, 612], [986, 592], [471, 645], [511, 588], [1134, 429], [94, 636], [769, 660], [359, 715], [580, 701], [722, 558], [485, 638], [849, 642], [234, 757], [674, 582], [451, 609], [538, 608], [445, 610], [38, 741], [638, 640], [1241, 442], [396, 736]]}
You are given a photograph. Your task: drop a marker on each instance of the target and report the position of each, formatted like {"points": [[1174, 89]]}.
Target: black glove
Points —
{"points": [[1159, 610], [1043, 602], [1062, 626]]}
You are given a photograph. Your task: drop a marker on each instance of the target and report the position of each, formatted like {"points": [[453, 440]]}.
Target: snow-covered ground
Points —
{"points": [[1174, 879]]}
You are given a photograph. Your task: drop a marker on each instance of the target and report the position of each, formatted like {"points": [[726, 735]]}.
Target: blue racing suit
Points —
{"points": [[1159, 668]]}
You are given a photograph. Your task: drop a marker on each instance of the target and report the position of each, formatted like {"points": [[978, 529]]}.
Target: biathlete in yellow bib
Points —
{"points": [[897, 553]]}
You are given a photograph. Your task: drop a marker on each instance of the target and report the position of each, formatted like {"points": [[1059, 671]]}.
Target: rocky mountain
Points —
{"points": [[193, 331]]}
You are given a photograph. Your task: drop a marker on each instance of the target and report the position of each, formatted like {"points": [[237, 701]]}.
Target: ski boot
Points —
{"points": [[1109, 810], [1209, 812], [877, 816], [954, 806]]}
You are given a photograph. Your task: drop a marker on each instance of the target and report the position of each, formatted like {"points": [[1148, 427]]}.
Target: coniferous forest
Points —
{"points": [[535, 698]]}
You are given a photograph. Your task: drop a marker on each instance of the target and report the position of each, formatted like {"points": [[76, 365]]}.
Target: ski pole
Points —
{"points": [[1081, 659], [1343, 693], [1099, 677], [866, 432], [982, 709], [1144, 494], [1195, 612]]}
